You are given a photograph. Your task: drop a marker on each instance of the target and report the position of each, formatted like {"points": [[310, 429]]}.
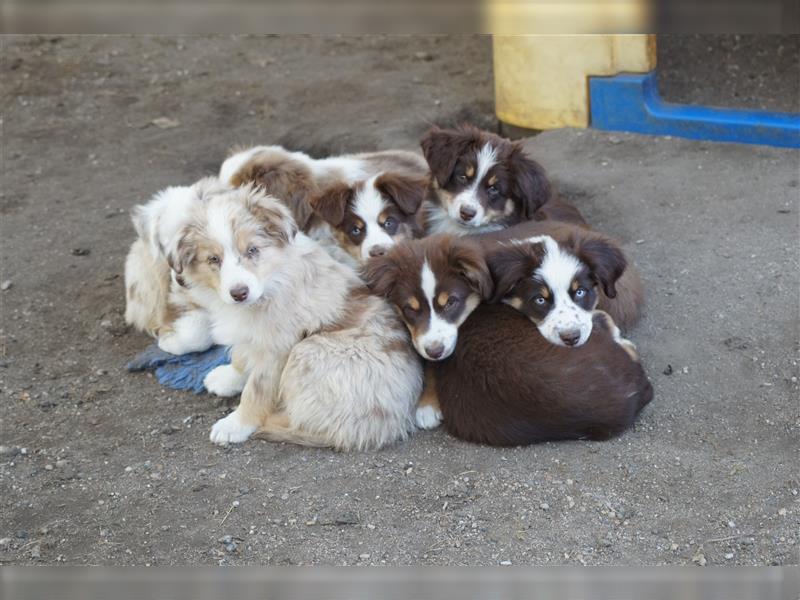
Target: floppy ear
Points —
{"points": [[441, 148], [332, 203], [467, 258], [182, 250], [604, 259], [275, 219], [407, 192], [380, 274], [290, 182], [510, 263], [529, 182]]}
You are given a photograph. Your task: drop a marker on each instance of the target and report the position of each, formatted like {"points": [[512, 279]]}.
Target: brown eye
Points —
{"points": [[213, 259], [252, 252]]}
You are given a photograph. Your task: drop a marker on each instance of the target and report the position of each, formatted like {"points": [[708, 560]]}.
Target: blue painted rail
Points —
{"points": [[630, 102]]}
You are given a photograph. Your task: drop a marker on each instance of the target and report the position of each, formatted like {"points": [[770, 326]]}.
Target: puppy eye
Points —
{"points": [[492, 191], [252, 252], [213, 259], [356, 230], [451, 302], [409, 311], [461, 178], [580, 292], [390, 224], [539, 300]]}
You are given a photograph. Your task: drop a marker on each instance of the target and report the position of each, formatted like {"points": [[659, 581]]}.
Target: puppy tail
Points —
{"points": [[277, 429]]}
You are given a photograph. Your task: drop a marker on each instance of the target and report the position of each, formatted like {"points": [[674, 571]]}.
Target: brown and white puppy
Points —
{"points": [[481, 182], [295, 177], [506, 385], [369, 217], [558, 273], [327, 363]]}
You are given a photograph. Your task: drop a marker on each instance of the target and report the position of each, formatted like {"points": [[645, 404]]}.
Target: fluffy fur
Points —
{"points": [[481, 182], [506, 385], [327, 364], [156, 301], [590, 260]]}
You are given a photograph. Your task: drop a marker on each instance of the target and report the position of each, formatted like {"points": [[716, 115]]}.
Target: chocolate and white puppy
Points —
{"points": [[481, 182], [558, 273], [507, 385], [368, 217]]}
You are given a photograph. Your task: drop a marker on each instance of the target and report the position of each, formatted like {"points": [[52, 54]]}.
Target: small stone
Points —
{"points": [[128, 469], [284, 496], [370, 526], [36, 551], [48, 467], [782, 512], [673, 546], [9, 450], [364, 556], [6, 285], [235, 504], [165, 123], [5, 542], [23, 451], [169, 429], [505, 563], [544, 506], [668, 370], [81, 251], [699, 559], [639, 242], [728, 555], [426, 56]]}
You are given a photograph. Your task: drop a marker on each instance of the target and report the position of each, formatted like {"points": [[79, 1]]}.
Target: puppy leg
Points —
{"points": [[626, 344], [191, 332], [428, 414], [227, 380], [259, 399]]}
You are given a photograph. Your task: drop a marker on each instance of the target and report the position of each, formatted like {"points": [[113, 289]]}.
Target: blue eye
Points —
{"points": [[580, 292], [539, 300]]}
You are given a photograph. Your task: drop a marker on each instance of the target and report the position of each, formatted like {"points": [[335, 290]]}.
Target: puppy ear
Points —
{"points": [[441, 148], [407, 192], [290, 182], [331, 204], [380, 273], [529, 182], [467, 257], [182, 250], [511, 263], [275, 219], [605, 260]]}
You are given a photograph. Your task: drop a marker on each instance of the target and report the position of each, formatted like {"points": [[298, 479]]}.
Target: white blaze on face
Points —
{"points": [[558, 270], [369, 205], [440, 333], [487, 158], [232, 273]]}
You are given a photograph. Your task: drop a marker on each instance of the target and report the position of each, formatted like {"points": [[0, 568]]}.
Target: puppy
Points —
{"points": [[507, 385], [482, 182], [433, 284], [558, 273], [369, 217], [157, 302], [327, 363], [295, 177]]}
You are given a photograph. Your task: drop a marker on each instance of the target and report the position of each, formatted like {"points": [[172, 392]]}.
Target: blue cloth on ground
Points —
{"points": [[181, 372]]}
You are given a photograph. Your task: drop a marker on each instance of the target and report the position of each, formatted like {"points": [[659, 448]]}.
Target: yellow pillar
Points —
{"points": [[541, 80]]}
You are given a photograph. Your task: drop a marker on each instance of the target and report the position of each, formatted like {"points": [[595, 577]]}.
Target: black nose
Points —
{"points": [[570, 338], [467, 213], [377, 251], [239, 293], [434, 351]]}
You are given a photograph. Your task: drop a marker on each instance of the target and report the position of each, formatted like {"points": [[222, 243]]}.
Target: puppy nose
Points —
{"points": [[434, 351], [570, 338], [239, 293], [377, 251], [467, 213]]}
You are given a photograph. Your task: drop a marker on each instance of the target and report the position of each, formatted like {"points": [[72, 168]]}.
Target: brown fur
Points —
{"points": [[505, 385]]}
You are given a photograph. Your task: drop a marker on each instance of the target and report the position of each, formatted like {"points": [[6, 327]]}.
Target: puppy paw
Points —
{"points": [[173, 344], [428, 417], [231, 430], [224, 381]]}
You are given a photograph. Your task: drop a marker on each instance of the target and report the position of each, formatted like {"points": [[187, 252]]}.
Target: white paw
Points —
{"points": [[428, 417], [231, 430], [224, 381], [173, 344]]}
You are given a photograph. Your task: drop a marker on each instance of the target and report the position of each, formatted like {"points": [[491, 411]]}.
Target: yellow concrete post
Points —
{"points": [[541, 80]]}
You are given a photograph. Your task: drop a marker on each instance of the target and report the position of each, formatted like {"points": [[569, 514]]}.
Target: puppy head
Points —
{"points": [[232, 244], [371, 216], [278, 173], [483, 180], [434, 284], [555, 285]]}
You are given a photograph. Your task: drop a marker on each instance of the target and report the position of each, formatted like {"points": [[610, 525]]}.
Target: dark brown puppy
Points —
{"points": [[505, 385], [625, 307]]}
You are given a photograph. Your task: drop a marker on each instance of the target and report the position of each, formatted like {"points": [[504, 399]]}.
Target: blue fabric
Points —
{"points": [[181, 372]]}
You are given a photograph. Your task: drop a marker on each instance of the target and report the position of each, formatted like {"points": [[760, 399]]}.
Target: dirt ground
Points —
{"points": [[99, 466]]}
